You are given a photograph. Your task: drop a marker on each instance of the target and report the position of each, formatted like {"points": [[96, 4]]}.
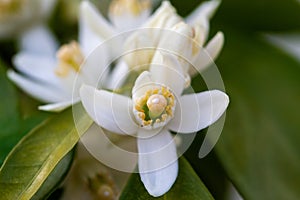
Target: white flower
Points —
{"points": [[124, 15], [165, 26], [17, 15], [49, 74], [157, 106]]}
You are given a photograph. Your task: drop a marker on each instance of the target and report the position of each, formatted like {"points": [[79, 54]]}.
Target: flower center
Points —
{"points": [[155, 108], [135, 7], [70, 57]]}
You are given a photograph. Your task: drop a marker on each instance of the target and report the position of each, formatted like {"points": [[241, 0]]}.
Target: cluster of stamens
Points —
{"points": [[70, 57], [155, 107]]}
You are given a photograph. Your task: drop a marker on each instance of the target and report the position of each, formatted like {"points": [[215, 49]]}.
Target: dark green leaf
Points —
{"points": [[12, 122], [263, 15], [187, 186], [36, 155], [259, 146]]}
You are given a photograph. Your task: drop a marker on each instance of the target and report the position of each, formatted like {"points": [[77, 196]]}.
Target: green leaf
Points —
{"points": [[55, 177], [187, 186], [14, 125], [259, 146], [9, 117], [259, 15], [36, 155]]}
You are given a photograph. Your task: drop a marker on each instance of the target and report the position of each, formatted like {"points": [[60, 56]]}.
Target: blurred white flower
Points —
{"points": [[156, 107], [53, 75], [18, 15], [124, 15], [168, 31]]}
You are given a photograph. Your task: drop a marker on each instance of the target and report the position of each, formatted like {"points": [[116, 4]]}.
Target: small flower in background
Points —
{"points": [[48, 73], [157, 106], [89, 179], [19, 15]]}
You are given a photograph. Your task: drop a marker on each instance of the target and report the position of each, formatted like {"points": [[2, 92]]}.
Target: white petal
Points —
{"points": [[100, 26], [164, 17], [118, 76], [95, 68], [208, 54], [95, 20], [203, 14], [88, 38], [39, 40], [38, 67], [126, 19], [110, 111], [141, 85], [57, 107], [47, 7], [42, 92], [158, 166], [197, 111], [165, 69]]}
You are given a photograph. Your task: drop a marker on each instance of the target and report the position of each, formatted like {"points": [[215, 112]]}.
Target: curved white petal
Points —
{"points": [[110, 111], [38, 67], [197, 111], [118, 76], [43, 92], [95, 20], [165, 69], [47, 7], [208, 54], [203, 14], [142, 84], [164, 17], [88, 38], [95, 68], [126, 21], [57, 107], [39, 40], [158, 166]]}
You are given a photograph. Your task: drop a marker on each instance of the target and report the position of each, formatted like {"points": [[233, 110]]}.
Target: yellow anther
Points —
{"points": [[70, 57], [156, 106], [134, 7], [142, 115]]}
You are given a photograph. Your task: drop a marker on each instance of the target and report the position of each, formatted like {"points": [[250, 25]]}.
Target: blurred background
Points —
{"points": [[258, 152]]}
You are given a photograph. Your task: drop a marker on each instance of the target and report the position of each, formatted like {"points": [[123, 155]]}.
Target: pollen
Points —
{"points": [[155, 108], [135, 7], [70, 57]]}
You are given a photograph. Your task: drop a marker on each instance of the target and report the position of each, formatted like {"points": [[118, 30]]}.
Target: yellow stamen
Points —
{"points": [[70, 57], [156, 106]]}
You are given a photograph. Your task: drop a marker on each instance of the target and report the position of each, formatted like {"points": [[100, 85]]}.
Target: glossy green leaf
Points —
{"points": [[259, 146], [37, 154], [187, 186], [55, 177]]}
